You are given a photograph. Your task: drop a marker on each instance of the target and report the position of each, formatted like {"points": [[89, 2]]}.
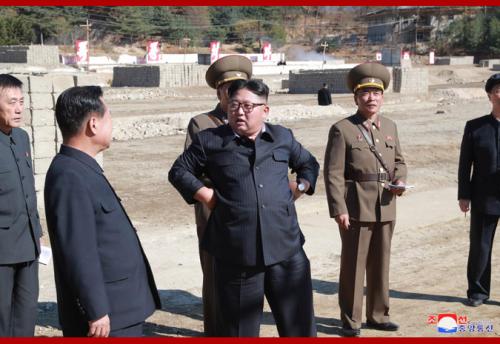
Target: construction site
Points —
{"points": [[430, 98], [430, 105]]}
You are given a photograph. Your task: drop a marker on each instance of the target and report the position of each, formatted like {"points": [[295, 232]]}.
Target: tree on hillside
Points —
{"points": [[476, 35], [132, 23], [14, 30]]}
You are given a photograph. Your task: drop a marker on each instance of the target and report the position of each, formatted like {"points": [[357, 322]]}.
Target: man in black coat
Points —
{"points": [[253, 231], [480, 151], [104, 282], [324, 96], [20, 229]]}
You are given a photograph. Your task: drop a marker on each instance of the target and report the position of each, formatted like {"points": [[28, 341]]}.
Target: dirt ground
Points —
{"points": [[430, 245]]}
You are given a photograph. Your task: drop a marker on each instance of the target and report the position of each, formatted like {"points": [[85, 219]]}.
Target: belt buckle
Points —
{"points": [[382, 177]]}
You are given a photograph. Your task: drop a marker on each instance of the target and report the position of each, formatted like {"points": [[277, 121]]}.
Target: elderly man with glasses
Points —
{"points": [[253, 231]]}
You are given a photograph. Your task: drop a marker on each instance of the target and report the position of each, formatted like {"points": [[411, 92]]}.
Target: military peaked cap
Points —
{"points": [[228, 68], [368, 74], [491, 82]]}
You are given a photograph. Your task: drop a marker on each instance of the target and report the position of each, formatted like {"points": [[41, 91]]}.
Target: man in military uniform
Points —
{"points": [[480, 152], [219, 76], [20, 229], [364, 171]]}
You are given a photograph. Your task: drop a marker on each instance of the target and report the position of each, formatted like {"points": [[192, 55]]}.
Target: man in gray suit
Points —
{"points": [[19, 222]]}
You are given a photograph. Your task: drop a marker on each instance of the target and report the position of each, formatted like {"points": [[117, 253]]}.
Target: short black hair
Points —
{"points": [[75, 105], [255, 86], [491, 82], [9, 81]]}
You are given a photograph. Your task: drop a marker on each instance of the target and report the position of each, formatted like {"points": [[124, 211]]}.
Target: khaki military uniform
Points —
{"points": [[203, 121], [356, 184]]}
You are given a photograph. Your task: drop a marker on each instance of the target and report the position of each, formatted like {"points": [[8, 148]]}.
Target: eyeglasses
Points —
{"points": [[247, 107]]}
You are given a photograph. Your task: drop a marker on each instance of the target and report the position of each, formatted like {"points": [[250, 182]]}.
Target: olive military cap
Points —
{"points": [[368, 74], [228, 68], [491, 82]]}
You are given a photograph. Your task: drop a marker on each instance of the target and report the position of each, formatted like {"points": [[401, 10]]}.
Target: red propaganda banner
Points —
{"points": [[214, 51], [82, 51], [154, 48], [266, 51]]}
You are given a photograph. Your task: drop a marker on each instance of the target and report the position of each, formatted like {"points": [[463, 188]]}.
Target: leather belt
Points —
{"points": [[369, 177]]}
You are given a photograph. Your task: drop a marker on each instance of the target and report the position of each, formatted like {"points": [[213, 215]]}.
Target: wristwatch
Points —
{"points": [[301, 187]]}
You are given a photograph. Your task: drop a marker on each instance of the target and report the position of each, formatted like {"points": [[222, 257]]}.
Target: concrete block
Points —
{"points": [[44, 149], [488, 63], [42, 118], [41, 101], [40, 84], [93, 80], [42, 55], [454, 60], [100, 159], [310, 81], [29, 131], [137, 76], [63, 82], [39, 182], [26, 116], [40, 202], [41, 165], [44, 134], [59, 137]]}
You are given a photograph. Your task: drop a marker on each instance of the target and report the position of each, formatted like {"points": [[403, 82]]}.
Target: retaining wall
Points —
{"points": [[30, 54], [489, 63], [410, 80], [454, 60], [168, 75], [404, 80]]}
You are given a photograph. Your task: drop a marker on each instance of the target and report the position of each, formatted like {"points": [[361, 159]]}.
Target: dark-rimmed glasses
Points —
{"points": [[247, 107]]}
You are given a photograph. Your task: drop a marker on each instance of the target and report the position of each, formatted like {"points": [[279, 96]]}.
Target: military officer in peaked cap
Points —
{"points": [[219, 76], [364, 171]]}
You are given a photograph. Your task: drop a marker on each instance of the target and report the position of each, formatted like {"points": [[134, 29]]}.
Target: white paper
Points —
{"points": [[45, 255], [401, 187]]}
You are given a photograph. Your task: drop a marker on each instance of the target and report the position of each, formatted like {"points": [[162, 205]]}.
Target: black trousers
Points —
{"points": [[131, 331], [135, 330], [18, 299], [287, 287], [482, 233]]}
